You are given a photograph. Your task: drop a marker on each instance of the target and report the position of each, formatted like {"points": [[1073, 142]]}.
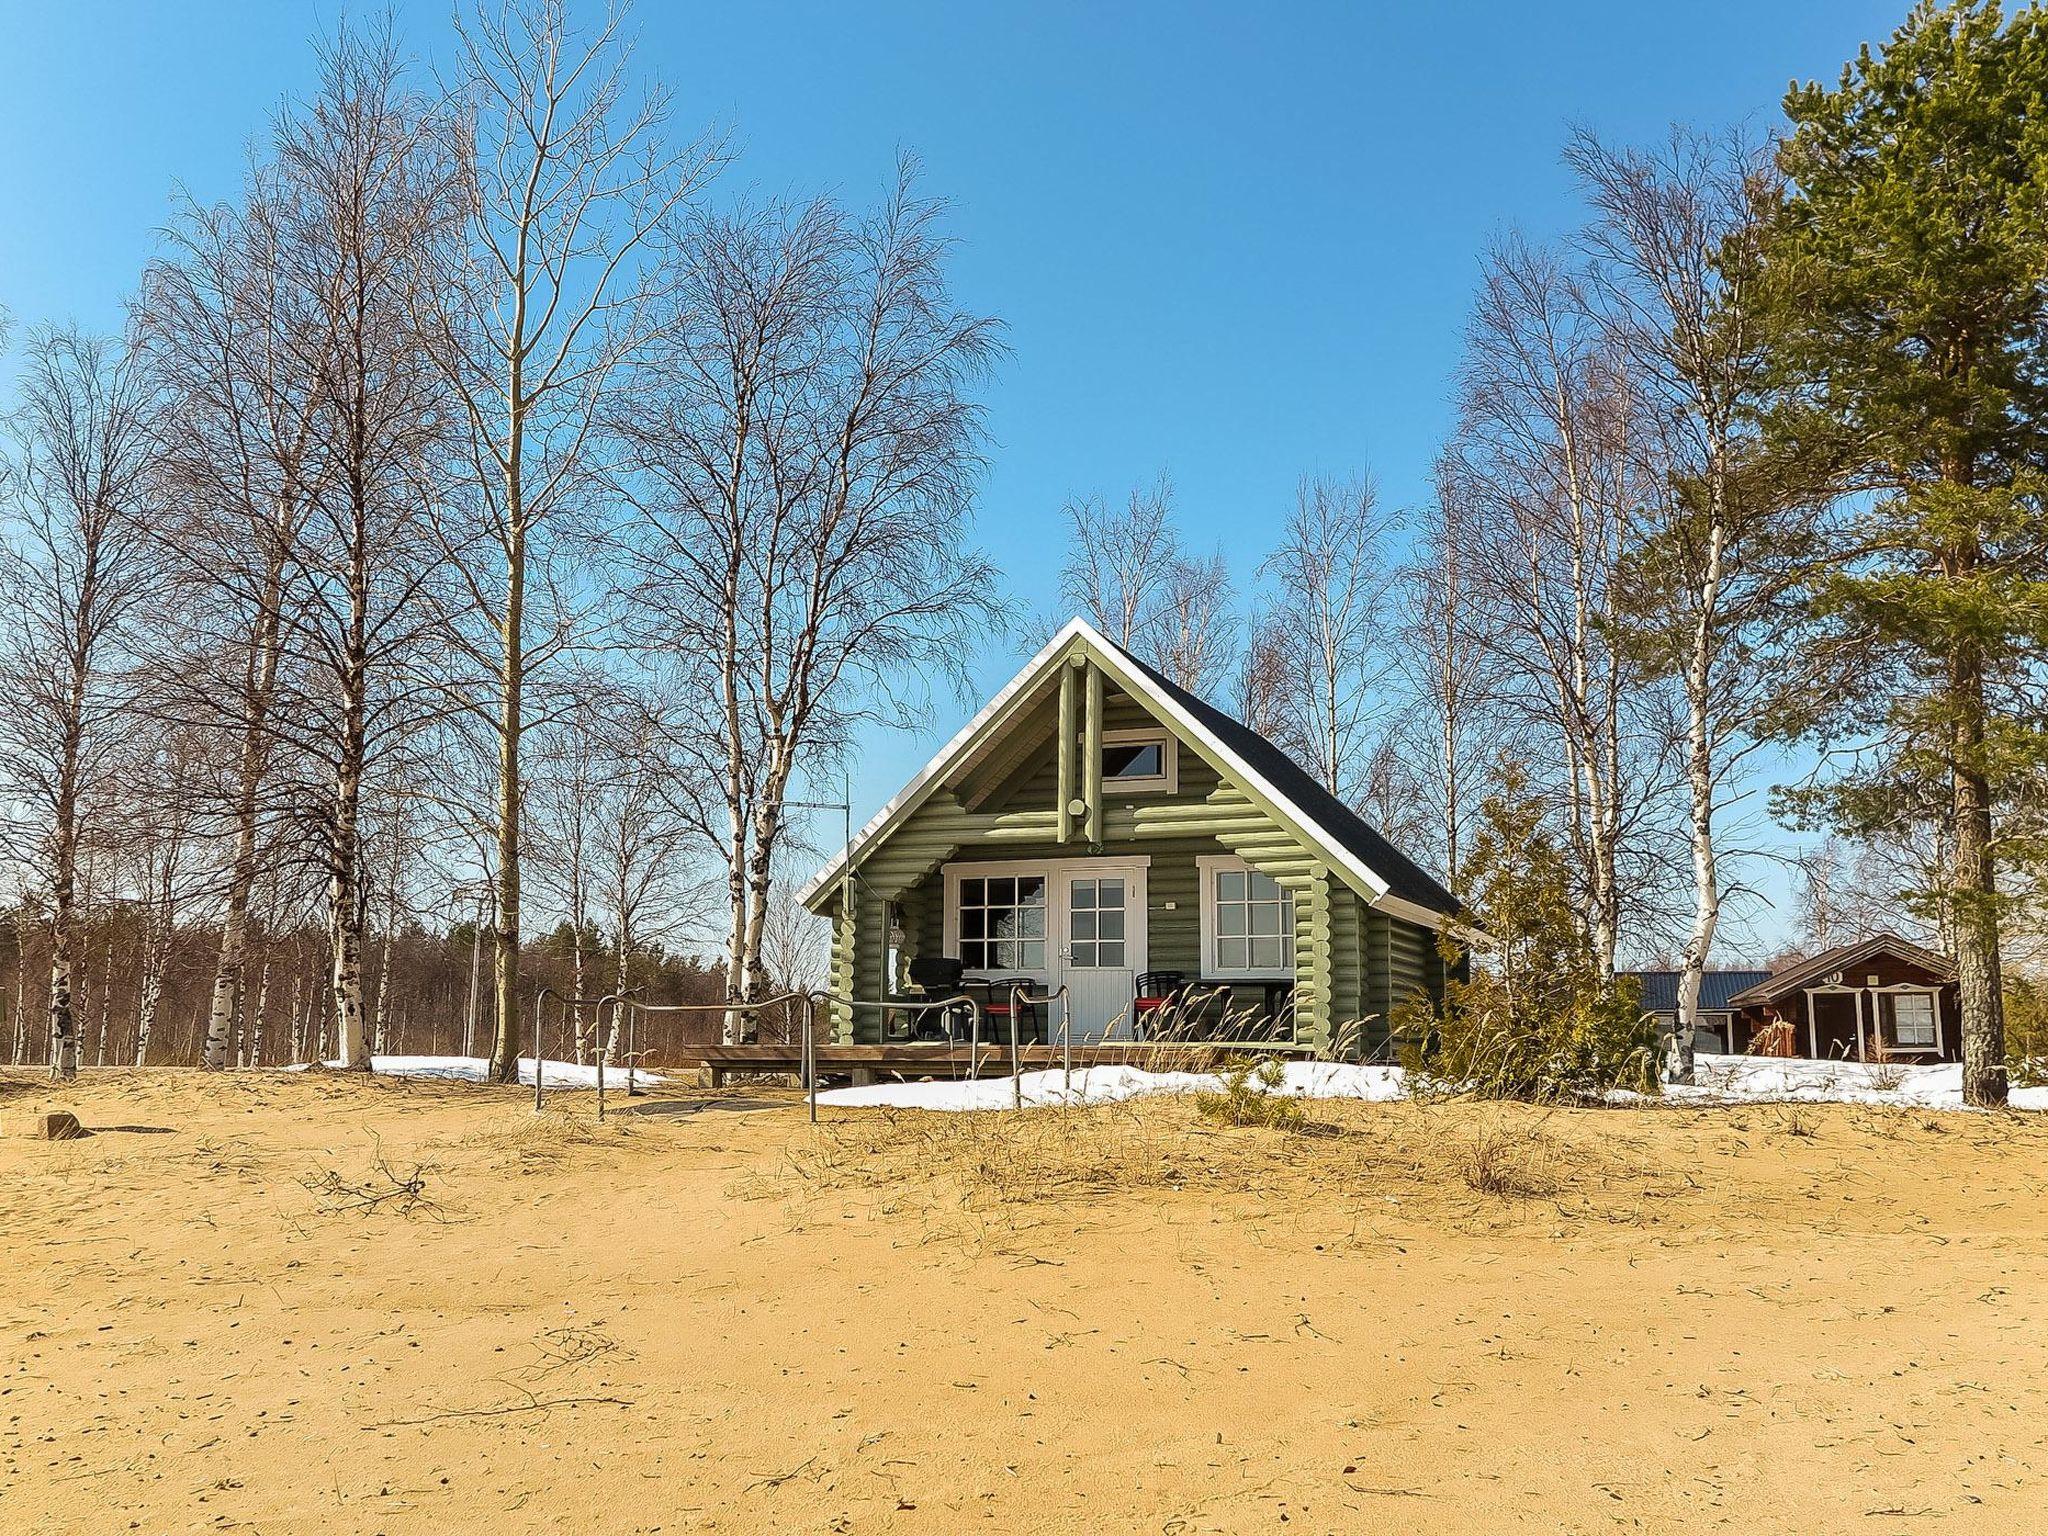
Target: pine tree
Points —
{"points": [[1907, 274]]}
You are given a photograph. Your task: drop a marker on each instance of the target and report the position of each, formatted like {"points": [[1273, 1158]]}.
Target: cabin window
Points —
{"points": [[1247, 922], [1140, 760], [1002, 923], [1912, 1019]]}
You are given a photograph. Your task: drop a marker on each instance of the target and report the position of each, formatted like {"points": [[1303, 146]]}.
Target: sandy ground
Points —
{"points": [[1120, 1319]]}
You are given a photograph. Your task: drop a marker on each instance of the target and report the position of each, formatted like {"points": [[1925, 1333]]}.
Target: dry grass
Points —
{"points": [[1427, 1157], [531, 1144], [1511, 1161]]}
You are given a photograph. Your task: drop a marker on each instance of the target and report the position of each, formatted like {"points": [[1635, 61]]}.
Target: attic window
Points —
{"points": [[1140, 760]]}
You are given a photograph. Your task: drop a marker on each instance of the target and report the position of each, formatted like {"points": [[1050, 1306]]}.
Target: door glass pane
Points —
{"points": [[1083, 925], [1110, 892], [1110, 955], [1111, 924]]}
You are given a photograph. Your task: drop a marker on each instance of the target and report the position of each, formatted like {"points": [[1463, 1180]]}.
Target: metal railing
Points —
{"points": [[887, 1006], [635, 1008]]}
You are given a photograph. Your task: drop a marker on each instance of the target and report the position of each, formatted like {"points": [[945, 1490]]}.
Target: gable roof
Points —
{"points": [[1404, 878], [1841, 958], [1368, 861], [1717, 989]]}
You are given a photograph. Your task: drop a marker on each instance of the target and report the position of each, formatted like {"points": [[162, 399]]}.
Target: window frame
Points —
{"points": [[1209, 866], [1895, 996], [1043, 906], [1165, 782]]}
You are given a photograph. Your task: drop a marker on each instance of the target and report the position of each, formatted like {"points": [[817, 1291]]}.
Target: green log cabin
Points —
{"points": [[1100, 833]]}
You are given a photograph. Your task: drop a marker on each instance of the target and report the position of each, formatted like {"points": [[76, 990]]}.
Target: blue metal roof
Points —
{"points": [[1660, 988]]}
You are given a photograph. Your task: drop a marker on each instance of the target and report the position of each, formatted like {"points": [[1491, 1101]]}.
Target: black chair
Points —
{"points": [[934, 977], [1157, 992], [1001, 997]]}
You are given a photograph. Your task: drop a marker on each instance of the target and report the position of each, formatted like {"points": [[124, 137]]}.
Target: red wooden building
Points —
{"points": [[1881, 998]]}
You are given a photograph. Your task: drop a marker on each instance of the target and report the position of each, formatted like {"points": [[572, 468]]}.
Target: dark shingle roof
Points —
{"points": [[1660, 988], [1404, 877], [1792, 977]]}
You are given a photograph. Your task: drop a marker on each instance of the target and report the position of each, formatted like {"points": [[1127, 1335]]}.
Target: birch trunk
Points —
{"points": [[576, 1008], [63, 916], [1699, 773], [251, 756], [254, 1057], [511, 729], [106, 1014], [155, 960], [344, 918]]}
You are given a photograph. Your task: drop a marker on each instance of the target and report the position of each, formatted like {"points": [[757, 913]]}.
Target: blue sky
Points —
{"points": [[1232, 242]]}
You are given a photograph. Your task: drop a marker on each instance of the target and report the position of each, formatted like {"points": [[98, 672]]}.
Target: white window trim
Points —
{"points": [[1167, 783], [1871, 1028], [1933, 997], [1209, 866]]}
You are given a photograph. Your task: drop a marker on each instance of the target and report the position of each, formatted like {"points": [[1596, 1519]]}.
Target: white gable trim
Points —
{"points": [[1169, 711]]}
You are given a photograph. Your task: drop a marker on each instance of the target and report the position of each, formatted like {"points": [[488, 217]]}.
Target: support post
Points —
{"points": [[1070, 710], [811, 1056], [1091, 759]]}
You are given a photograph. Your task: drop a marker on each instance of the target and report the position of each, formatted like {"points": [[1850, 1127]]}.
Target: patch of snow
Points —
{"points": [[1735, 1079], [1113, 1085], [476, 1069], [1721, 1080]]}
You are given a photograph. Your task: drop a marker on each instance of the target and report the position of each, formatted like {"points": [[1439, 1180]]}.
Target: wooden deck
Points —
{"points": [[906, 1059]]}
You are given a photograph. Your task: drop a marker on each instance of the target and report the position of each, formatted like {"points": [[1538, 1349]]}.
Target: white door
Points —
{"points": [[1102, 950]]}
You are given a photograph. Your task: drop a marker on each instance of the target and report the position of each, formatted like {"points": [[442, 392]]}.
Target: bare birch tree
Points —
{"points": [[1719, 549], [803, 455], [1332, 620], [569, 183], [1118, 561], [1128, 572], [1548, 440], [238, 340], [369, 192], [75, 576], [1445, 666]]}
